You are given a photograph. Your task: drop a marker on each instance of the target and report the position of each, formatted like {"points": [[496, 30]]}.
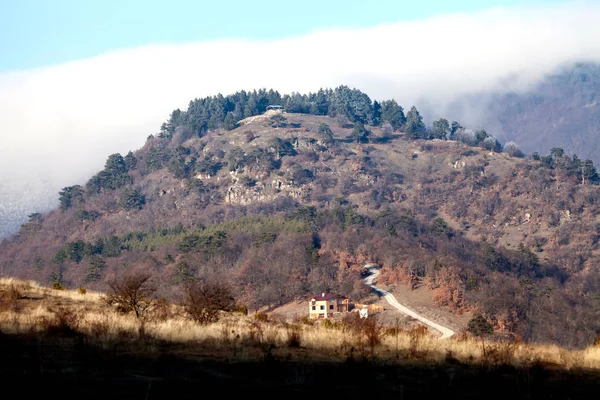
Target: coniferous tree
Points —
{"points": [[132, 199], [70, 196], [326, 133], [376, 117], [588, 172], [454, 128], [320, 104], [440, 129], [414, 124], [392, 113], [359, 133], [130, 161]]}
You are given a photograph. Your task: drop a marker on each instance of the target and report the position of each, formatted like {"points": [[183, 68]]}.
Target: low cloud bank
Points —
{"points": [[60, 123]]}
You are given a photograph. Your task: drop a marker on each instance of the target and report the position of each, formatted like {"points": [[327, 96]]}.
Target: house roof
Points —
{"points": [[327, 296]]}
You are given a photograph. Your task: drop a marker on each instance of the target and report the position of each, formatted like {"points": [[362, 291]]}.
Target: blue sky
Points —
{"points": [[35, 33]]}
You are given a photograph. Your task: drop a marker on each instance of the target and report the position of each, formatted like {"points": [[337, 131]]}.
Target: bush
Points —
{"points": [[261, 316], [242, 309], [249, 136], [9, 297], [132, 199], [277, 121], [203, 302], [293, 336], [65, 323], [132, 293], [512, 149]]}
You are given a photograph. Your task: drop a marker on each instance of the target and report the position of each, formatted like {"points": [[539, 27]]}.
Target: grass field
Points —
{"points": [[75, 344]]}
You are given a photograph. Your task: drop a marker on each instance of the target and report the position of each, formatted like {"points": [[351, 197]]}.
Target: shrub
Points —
{"points": [[277, 121], [132, 199], [65, 323], [9, 297], [249, 136], [261, 316], [512, 149], [293, 335], [242, 309], [162, 309], [418, 332], [306, 320], [203, 302], [132, 293]]}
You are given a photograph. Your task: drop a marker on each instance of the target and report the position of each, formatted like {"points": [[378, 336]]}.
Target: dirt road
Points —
{"points": [[373, 273]]}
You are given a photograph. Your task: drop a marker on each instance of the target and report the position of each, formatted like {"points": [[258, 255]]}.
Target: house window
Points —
{"points": [[331, 306], [314, 308], [322, 307]]}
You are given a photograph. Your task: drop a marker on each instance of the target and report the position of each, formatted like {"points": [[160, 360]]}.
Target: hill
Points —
{"points": [[284, 205]]}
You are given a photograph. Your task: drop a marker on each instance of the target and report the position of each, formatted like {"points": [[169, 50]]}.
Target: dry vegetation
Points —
{"points": [[31, 309]]}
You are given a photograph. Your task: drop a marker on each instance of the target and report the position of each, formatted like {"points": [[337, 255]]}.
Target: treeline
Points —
{"points": [[583, 170], [219, 111], [356, 107]]}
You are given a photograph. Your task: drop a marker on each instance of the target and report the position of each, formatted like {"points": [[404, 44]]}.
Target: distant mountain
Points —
{"points": [[563, 110]]}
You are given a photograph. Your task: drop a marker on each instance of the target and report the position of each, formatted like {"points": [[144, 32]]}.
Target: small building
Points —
{"points": [[326, 304], [275, 107]]}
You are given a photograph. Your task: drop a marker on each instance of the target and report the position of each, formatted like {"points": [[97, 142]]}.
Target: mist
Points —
{"points": [[58, 124]]}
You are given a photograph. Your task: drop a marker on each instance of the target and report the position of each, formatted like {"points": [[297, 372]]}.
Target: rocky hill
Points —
{"points": [[284, 205]]}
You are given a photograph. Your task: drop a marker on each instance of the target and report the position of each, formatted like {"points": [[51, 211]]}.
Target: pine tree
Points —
{"points": [[414, 124]]}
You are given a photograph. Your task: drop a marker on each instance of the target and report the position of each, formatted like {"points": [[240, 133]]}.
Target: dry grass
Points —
{"points": [[34, 309]]}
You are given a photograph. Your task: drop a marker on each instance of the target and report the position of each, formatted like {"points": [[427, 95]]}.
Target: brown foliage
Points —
{"points": [[133, 293], [65, 323], [203, 301], [450, 290], [9, 297]]}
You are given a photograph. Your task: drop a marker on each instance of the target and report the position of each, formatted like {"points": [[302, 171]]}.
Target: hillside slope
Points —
{"points": [[282, 209]]}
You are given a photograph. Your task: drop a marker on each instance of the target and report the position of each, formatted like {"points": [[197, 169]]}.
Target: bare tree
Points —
{"points": [[204, 301], [133, 293]]}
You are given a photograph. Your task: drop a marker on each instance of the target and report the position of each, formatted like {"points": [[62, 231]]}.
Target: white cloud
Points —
{"points": [[59, 124]]}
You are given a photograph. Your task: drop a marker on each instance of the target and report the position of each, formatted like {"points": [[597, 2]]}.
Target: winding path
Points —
{"points": [[374, 272]]}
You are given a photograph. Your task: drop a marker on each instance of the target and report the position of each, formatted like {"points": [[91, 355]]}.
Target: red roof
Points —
{"points": [[327, 296]]}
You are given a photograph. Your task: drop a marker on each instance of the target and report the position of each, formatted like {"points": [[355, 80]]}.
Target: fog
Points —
{"points": [[58, 124]]}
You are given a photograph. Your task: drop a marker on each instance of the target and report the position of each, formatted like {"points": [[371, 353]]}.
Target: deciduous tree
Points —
{"points": [[203, 302], [133, 293]]}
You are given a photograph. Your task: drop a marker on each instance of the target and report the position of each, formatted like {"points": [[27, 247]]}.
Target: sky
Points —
{"points": [[80, 80], [35, 33]]}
